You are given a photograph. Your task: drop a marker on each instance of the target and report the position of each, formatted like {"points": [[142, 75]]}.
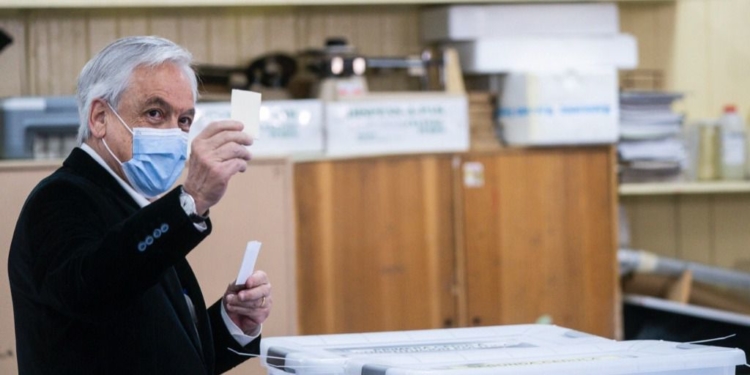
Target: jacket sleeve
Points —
{"points": [[88, 262], [223, 340]]}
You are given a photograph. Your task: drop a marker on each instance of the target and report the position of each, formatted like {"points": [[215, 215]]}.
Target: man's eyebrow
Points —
{"points": [[156, 100]]}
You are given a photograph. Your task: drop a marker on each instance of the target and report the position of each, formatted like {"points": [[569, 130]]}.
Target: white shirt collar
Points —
{"points": [[141, 200]]}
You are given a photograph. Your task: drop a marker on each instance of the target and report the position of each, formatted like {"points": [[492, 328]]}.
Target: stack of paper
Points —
{"points": [[651, 147]]}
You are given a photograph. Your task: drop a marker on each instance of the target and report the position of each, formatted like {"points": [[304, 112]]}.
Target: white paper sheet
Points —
{"points": [[248, 262], [246, 109]]}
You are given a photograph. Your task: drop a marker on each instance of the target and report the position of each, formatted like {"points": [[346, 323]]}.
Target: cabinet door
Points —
{"points": [[539, 239], [375, 244]]}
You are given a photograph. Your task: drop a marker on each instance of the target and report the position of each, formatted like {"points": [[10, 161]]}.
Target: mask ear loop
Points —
{"points": [[123, 124]]}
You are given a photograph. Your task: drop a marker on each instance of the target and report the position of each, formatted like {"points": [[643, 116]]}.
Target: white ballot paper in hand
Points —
{"points": [[246, 109], [248, 262]]}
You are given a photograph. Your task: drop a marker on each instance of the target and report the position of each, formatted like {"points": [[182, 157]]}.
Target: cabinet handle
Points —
{"points": [[476, 321], [448, 323]]}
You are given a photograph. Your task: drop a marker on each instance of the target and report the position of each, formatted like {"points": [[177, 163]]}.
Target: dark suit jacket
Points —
{"points": [[97, 282]]}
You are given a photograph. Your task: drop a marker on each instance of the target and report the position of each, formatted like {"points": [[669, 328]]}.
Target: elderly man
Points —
{"points": [[97, 266]]}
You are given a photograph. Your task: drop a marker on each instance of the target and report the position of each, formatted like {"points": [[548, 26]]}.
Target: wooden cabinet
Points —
{"points": [[402, 243], [540, 239], [375, 244]]}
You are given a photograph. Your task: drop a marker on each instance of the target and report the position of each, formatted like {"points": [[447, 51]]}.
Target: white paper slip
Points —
{"points": [[246, 109], [248, 262]]}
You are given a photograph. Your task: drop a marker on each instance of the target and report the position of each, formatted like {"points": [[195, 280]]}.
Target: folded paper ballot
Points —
{"points": [[248, 262], [244, 107]]}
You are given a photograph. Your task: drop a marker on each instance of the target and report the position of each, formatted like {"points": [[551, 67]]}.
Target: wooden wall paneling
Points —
{"points": [[39, 43], [132, 23], [665, 13], [194, 35], [13, 63], [695, 228], [223, 37], [724, 54], [67, 51], [310, 28], [102, 30], [732, 231], [691, 59], [280, 30], [653, 224], [742, 53], [639, 19], [252, 33], [165, 25], [368, 32]]}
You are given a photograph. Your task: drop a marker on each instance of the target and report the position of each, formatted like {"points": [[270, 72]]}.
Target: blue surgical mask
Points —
{"points": [[158, 158]]}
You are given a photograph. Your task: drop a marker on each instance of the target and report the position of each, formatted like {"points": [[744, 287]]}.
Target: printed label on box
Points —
{"points": [[390, 126]]}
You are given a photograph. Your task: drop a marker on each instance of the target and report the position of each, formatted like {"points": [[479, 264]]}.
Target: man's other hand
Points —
{"points": [[250, 304]]}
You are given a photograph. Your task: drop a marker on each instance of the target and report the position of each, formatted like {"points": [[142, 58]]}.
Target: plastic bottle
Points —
{"points": [[706, 164], [732, 145]]}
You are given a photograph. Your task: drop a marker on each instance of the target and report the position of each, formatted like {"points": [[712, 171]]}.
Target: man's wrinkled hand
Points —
{"points": [[218, 152], [249, 305]]}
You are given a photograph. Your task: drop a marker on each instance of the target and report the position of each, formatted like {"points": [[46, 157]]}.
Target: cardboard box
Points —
{"points": [[529, 53], [470, 22], [397, 124], [498, 350], [554, 108]]}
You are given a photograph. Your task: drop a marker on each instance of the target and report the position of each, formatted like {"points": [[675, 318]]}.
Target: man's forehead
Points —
{"points": [[164, 85]]}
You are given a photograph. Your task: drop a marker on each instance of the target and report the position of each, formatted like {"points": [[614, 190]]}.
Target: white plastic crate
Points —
{"points": [[501, 350], [559, 108], [532, 52], [470, 22]]}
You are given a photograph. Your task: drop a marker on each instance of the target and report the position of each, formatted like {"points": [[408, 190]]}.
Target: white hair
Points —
{"points": [[107, 75]]}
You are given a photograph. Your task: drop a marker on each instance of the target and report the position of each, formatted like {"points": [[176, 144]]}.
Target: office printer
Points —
{"points": [[38, 127]]}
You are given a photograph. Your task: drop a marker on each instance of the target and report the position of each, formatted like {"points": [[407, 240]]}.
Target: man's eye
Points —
{"points": [[184, 123], [154, 113]]}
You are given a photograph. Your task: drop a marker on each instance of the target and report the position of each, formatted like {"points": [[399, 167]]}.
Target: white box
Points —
{"points": [[553, 108], [499, 350], [397, 124], [525, 53], [287, 127], [469, 22]]}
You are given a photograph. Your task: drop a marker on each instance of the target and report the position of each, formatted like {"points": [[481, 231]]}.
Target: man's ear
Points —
{"points": [[98, 118]]}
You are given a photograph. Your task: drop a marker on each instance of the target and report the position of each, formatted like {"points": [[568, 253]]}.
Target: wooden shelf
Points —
{"points": [[670, 188]]}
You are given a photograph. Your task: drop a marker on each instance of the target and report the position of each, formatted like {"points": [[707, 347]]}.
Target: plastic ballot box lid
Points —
{"points": [[517, 349]]}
